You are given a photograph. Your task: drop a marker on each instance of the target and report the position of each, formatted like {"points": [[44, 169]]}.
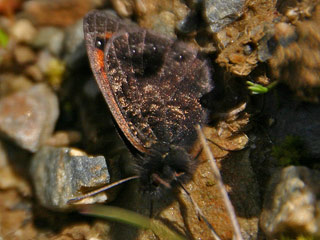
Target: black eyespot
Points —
{"points": [[99, 43]]}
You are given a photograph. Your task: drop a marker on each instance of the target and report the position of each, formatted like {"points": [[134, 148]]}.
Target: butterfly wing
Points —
{"points": [[99, 26], [152, 84]]}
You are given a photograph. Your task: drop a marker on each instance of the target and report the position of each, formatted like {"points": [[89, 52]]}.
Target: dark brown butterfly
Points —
{"points": [[153, 86]]}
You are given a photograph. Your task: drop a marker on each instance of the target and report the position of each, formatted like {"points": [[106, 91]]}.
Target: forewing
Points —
{"points": [[99, 27]]}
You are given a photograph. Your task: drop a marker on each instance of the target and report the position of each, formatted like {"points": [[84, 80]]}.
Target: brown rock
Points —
{"points": [[34, 72], [249, 30], [11, 83], [123, 7], [23, 31], [299, 46], [24, 54], [57, 13]]}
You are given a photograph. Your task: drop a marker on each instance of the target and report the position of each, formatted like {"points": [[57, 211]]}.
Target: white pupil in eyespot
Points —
{"points": [[98, 43]]}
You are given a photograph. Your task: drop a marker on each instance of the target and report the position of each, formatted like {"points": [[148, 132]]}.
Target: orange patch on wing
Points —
{"points": [[100, 61], [108, 35]]}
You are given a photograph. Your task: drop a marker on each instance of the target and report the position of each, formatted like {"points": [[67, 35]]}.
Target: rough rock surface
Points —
{"points": [[292, 202], [28, 117], [239, 42], [219, 13], [299, 46], [60, 174]]}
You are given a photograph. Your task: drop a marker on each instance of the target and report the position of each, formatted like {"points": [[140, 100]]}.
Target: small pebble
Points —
{"points": [[23, 31], [44, 58], [164, 23], [24, 55], [55, 72], [11, 83], [140, 7], [124, 8], [50, 38], [64, 138], [248, 49], [34, 72], [73, 37]]}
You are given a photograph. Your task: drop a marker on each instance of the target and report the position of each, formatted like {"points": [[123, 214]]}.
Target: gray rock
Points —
{"points": [[59, 174], [267, 44], [73, 37], [28, 117], [50, 38], [44, 60], [291, 203], [219, 13], [74, 49]]}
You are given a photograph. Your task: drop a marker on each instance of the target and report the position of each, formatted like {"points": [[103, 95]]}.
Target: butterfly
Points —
{"points": [[153, 86]]}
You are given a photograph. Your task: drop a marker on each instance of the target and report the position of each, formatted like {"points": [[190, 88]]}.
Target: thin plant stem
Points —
{"points": [[223, 191]]}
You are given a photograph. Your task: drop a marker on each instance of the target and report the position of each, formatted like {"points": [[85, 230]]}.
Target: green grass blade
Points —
{"points": [[132, 218]]}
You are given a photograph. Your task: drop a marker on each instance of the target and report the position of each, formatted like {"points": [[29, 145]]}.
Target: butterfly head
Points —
{"points": [[164, 168]]}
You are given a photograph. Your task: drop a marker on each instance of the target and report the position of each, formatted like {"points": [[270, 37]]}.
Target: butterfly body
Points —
{"points": [[152, 85]]}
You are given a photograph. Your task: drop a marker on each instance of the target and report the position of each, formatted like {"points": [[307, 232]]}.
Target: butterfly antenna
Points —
{"points": [[199, 212], [223, 191], [99, 190]]}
